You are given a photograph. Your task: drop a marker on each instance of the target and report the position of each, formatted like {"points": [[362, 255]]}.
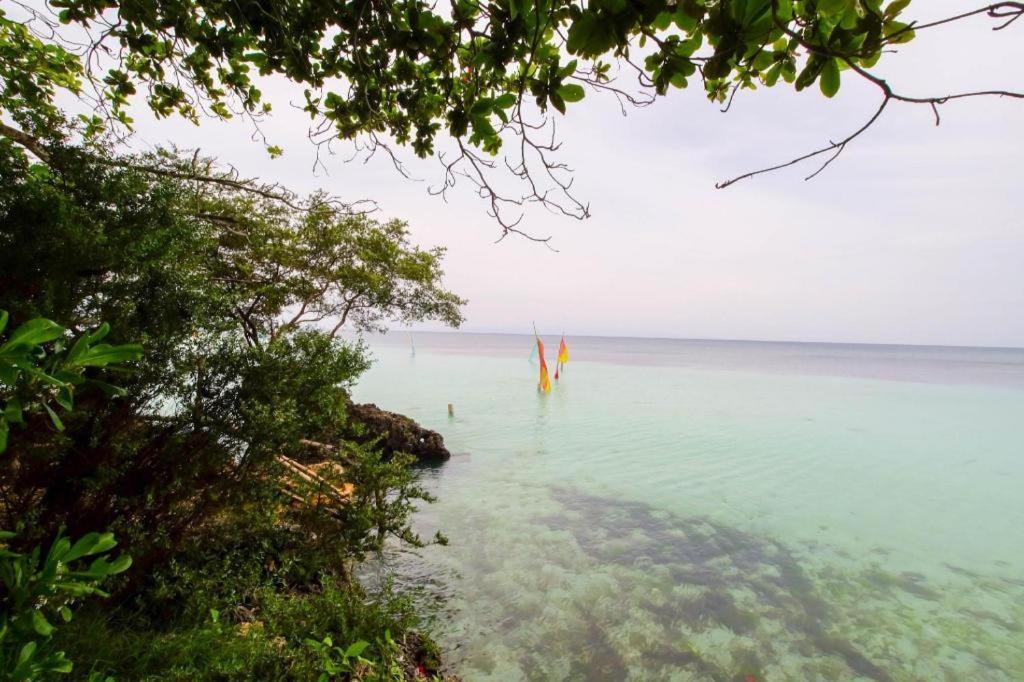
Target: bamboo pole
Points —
{"points": [[309, 476]]}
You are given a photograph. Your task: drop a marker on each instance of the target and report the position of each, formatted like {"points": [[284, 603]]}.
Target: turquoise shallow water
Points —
{"points": [[719, 510]]}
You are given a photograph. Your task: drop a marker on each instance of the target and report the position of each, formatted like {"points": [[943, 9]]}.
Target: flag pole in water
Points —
{"points": [[544, 384], [563, 357]]}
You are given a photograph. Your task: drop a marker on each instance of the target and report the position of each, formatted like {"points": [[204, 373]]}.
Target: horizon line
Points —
{"points": [[704, 339]]}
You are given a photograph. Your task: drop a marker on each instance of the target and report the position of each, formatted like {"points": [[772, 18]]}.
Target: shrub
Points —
{"points": [[39, 592]]}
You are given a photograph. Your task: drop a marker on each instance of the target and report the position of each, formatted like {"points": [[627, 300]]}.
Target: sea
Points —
{"points": [[715, 510]]}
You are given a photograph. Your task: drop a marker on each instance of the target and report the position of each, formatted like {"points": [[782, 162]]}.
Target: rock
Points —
{"points": [[422, 659], [398, 433]]}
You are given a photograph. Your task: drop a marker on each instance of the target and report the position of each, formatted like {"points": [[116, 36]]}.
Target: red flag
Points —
{"points": [[544, 385]]}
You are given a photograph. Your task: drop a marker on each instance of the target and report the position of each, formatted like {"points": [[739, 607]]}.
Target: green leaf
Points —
{"points": [[65, 398], [829, 83], [120, 564], [104, 354], [895, 8], [109, 389], [772, 75], [99, 334], [356, 649], [39, 374], [505, 101], [870, 60], [571, 92], [897, 32], [26, 653], [831, 8], [41, 625], [481, 107], [57, 423], [33, 333], [3, 320], [80, 589], [93, 543], [580, 32], [59, 663], [9, 374], [13, 411], [58, 550], [80, 346], [4, 432]]}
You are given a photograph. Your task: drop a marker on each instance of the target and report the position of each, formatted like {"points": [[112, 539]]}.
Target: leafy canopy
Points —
{"points": [[411, 68], [482, 73], [238, 300]]}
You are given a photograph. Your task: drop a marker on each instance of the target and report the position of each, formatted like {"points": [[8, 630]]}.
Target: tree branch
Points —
{"points": [[228, 179], [1014, 9]]}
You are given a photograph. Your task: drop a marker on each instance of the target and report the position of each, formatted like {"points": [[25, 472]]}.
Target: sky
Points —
{"points": [[914, 235]]}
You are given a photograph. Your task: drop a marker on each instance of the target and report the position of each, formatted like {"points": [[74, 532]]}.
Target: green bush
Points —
{"points": [[268, 640], [38, 593], [239, 572]]}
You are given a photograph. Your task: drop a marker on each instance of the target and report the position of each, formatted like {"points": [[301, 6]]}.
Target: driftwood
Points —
{"points": [[326, 447], [299, 478]]}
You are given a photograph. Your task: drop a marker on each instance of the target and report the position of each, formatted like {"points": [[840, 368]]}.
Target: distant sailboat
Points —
{"points": [[412, 342]]}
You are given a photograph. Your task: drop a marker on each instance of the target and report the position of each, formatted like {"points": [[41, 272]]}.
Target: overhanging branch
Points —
{"points": [[229, 179]]}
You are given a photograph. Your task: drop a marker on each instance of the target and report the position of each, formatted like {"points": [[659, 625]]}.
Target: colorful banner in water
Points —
{"points": [[544, 385], [563, 357]]}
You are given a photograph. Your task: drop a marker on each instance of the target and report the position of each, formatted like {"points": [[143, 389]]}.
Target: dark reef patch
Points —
{"points": [[722, 562], [662, 594]]}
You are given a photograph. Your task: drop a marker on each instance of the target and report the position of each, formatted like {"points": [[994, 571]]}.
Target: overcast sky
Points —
{"points": [[914, 235]]}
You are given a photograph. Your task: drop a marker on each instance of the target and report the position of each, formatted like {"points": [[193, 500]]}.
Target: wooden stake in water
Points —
{"points": [[451, 410]]}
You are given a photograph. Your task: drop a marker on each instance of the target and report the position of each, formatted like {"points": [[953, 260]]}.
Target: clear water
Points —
{"points": [[699, 510]]}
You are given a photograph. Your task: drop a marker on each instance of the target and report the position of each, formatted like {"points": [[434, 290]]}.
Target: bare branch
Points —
{"points": [[1013, 9], [836, 147]]}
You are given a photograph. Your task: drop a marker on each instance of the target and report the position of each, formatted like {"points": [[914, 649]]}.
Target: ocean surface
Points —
{"points": [[716, 510]]}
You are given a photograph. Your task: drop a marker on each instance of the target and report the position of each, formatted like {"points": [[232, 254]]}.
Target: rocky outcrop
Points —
{"points": [[397, 433]]}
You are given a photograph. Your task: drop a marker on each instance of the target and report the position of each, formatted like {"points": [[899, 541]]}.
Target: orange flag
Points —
{"points": [[563, 357], [544, 386]]}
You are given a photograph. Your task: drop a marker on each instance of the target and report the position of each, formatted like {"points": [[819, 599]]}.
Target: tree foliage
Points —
{"points": [[239, 302], [239, 292], [484, 73], [410, 68], [37, 370]]}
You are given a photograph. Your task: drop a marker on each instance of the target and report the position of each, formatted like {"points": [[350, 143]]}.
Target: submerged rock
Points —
{"points": [[397, 433]]}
